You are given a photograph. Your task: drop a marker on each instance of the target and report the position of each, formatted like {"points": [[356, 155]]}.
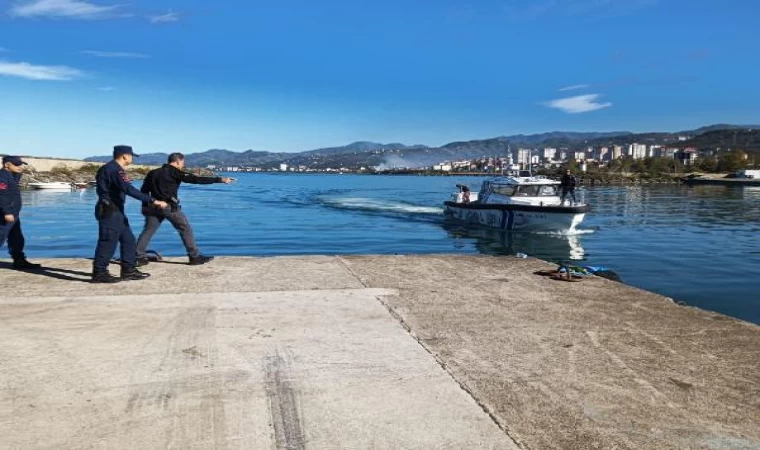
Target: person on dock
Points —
{"points": [[568, 183], [10, 207], [112, 186], [163, 183]]}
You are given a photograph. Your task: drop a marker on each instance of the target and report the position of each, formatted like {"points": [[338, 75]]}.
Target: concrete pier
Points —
{"points": [[366, 352]]}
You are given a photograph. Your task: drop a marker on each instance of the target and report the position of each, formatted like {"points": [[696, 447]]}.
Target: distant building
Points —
{"points": [[548, 153], [283, 167], [604, 154], [637, 151], [524, 156], [687, 156]]}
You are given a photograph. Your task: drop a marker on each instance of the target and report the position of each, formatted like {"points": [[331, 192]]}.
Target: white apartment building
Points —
{"points": [[548, 153], [524, 156], [637, 151]]}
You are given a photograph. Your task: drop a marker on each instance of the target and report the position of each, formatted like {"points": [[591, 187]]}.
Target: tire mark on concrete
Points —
{"points": [[283, 403], [618, 361]]}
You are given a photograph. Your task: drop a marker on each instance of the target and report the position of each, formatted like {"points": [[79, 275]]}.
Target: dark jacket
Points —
{"points": [[163, 183], [113, 185], [10, 194], [568, 181]]}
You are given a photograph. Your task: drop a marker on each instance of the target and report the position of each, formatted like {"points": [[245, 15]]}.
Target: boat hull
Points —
{"points": [[513, 217], [56, 186]]}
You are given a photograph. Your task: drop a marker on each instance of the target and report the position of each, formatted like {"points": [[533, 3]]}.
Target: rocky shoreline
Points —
{"points": [[86, 174]]}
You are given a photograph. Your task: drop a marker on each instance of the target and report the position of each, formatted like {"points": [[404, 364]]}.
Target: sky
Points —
{"points": [[79, 76]]}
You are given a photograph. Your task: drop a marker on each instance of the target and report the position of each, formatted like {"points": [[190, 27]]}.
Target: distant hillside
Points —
{"points": [[742, 139], [372, 154], [214, 156], [561, 136]]}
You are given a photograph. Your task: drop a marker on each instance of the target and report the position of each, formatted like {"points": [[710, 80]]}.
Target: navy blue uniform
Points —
{"points": [[10, 204], [113, 186]]}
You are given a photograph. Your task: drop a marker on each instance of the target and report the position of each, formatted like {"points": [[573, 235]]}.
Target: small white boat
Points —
{"points": [[516, 203], [50, 185]]}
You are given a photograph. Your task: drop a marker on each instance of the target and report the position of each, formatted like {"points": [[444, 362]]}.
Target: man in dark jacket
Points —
{"points": [[113, 186], [163, 184], [10, 207], [567, 184]]}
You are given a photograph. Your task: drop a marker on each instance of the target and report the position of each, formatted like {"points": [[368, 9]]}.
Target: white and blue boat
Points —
{"points": [[515, 203]]}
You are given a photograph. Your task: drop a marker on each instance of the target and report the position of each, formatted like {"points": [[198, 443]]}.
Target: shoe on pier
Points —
{"points": [[143, 261], [104, 277], [200, 259], [23, 264], [134, 274]]}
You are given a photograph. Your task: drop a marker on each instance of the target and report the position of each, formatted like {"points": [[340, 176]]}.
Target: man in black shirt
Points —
{"points": [[567, 184], [163, 184]]}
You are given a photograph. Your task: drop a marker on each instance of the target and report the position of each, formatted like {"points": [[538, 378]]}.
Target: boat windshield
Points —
{"points": [[545, 190], [527, 191]]}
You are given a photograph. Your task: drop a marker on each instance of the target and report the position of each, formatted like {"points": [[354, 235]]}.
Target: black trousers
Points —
{"points": [[154, 217], [565, 192], [11, 232], [112, 231]]}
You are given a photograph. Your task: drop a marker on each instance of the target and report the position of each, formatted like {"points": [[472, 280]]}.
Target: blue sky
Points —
{"points": [[78, 76]]}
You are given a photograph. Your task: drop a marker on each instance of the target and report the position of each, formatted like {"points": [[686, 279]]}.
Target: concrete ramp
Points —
{"points": [[316, 369]]}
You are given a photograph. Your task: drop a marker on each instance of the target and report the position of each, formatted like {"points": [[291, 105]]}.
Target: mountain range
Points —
{"points": [[371, 154]]}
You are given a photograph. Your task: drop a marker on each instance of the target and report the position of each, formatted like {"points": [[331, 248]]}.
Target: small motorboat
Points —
{"points": [[51, 185], [84, 185], [516, 203]]}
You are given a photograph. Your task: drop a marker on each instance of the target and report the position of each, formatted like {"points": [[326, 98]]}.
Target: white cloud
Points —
{"points": [[578, 104], [574, 87], [33, 72], [100, 54], [106, 88], [72, 9], [164, 18]]}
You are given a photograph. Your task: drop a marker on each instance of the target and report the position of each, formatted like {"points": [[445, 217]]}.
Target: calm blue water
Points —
{"points": [[699, 245]]}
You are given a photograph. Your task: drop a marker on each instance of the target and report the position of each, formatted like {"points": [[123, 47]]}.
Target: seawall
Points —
{"points": [[333, 352]]}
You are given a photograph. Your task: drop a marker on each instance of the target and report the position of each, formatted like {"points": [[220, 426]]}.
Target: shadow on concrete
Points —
{"points": [[52, 272]]}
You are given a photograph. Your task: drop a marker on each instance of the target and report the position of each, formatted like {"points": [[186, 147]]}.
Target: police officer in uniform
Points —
{"points": [[10, 207], [113, 226]]}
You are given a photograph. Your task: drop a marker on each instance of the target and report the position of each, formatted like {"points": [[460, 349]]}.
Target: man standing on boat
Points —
{"points": [[568, 184], [10, 207], [113, 186], [163, 184]]}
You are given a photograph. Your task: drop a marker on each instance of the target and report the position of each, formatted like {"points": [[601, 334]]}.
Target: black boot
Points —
{"points": [[143, 261], [200, 259], [104, 277], [133, 274], [23, 264]]}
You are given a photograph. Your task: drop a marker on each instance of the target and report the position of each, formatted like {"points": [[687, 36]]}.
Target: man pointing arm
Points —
{"points": [[163, 184]]}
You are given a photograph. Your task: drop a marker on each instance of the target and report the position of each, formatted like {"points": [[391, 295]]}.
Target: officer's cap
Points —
{"points": [[15, 160], [119, 150]]}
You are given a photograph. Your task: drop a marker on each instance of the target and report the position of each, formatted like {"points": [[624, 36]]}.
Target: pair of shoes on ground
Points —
{"points": [[130, 275], [194, 260], [23, 264]]}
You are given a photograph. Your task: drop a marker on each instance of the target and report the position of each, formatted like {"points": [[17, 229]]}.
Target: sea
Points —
{"points": [[698, 245]]}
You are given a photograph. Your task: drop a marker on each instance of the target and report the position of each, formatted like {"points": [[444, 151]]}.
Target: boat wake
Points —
{"points": [[565, 233], [372, 205]]}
